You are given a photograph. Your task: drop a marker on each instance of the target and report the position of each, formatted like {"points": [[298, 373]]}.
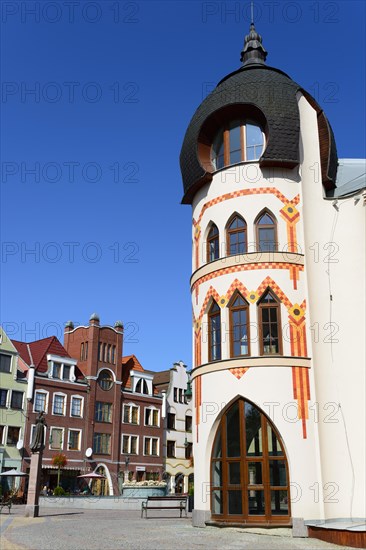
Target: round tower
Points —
{"points": [[242, 161]]}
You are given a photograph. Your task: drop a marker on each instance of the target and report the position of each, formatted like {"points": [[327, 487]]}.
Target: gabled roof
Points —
{"points": [[36, 352], [162, 379], [129, 363]]}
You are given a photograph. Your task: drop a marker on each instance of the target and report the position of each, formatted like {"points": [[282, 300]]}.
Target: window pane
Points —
{"points": [[279, 503], [217, 450], [217, 504], [135, 412], [56, 438], [133, 450], [266, 239], [5, 363], [66, 373], [253, 430], [235, 157], [125, 442], [234, 473], [274, 446], [233, 431], [56, 371], [58, 404], [76, 406], [265, 220], [216, 474], [255, 473], [256, 503], [40, 402], [235, 502], [154, 447], [277, 473], [217, 154], [74, 437], [13, 435], [16, 399], [254, 141], [3, 397]]}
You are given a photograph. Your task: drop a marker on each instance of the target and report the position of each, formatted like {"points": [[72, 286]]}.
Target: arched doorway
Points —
{"points": [[249, 471], [179, 482]]}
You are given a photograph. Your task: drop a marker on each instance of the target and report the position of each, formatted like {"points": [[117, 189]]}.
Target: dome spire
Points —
{"points": [[253, 50]]}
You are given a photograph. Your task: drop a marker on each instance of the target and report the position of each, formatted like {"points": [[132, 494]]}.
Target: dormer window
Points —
{"points": [[141, 387], [61, 371], [238, 141]]}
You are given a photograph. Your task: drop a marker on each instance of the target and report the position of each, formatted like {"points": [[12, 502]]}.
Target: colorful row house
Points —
{"points": [[102, 410], [177, 412], [13, 388]]}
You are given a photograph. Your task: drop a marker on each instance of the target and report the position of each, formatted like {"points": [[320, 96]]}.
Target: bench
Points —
{"points": [[6, 502], [164, 503]]}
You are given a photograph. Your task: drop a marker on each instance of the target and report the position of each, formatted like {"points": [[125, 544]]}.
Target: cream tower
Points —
{"points": [[277, 355]]}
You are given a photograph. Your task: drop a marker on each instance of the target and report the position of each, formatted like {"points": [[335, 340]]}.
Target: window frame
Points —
{"points": [[102, 407], [236, 231], [225, 130], [46, 394], [188, 425], [6, 437], [215, 238], [171, 443], [150, 423], [131, 406], [10, 363], [232, 309], [5, 391], [129, 444], [81, 398], [261, 307], [108, 437], [61, 448], [150, 439], [59, 394], [258, 226], [79, 431], [210, 315]]}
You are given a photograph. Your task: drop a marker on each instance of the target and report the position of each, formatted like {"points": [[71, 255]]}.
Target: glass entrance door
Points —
{"points": [[249, 472]]}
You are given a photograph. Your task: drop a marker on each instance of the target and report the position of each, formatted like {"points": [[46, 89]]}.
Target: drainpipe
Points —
{"points": [[30, 387], [163, 406]]}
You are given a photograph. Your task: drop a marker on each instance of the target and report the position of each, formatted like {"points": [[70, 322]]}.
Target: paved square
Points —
{"points": [[76, 529]]}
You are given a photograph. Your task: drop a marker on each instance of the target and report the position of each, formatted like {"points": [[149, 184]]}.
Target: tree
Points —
{"points": [[60, 461]]}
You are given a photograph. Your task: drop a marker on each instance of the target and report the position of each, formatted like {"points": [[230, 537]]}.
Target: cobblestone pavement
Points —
{"points": [[66, 529]]}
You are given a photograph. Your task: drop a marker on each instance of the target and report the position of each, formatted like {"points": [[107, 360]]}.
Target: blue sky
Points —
{"points": [[90, 159]]}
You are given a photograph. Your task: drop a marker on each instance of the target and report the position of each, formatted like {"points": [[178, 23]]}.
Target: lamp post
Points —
{"points": [[127, 461], [188, 391]]}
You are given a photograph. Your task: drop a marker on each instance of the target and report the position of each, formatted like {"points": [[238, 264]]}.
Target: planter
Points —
{"points": [[144, 491]]}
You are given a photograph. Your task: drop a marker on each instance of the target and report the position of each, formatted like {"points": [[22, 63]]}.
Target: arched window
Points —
{"points": [[236, 236], [105, 380], [214, 333], [236, 142], [141, 387], [239, 326], [249, 472], [266, 232], [269, 310], [213, 244]]}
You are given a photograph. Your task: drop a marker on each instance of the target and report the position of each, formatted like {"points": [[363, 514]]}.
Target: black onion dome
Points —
{"points": [[262, 94]]}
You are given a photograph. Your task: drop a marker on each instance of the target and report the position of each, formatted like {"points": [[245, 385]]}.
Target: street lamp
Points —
{"points": [[188, 392], [127, 461]]}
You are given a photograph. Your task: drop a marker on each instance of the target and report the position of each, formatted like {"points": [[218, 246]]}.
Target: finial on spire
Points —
{"points": [[253, 51], [252, 13]]}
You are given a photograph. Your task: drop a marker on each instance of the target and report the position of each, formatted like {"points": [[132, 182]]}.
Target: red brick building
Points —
{"points": [[56, 386], [102, 410]]}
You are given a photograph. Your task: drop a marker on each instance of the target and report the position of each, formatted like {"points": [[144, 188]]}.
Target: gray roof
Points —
{"points": [[272, 94], [351, 177]]}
